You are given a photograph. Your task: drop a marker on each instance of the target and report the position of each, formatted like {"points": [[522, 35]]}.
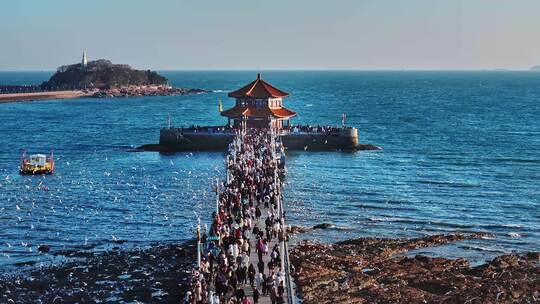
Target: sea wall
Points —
{"points": [[173, 139], [320, 142]]}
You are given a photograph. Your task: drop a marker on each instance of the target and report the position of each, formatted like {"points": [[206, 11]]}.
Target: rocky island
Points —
{"points": [[102, 79], [99, 79], [101, 74]]}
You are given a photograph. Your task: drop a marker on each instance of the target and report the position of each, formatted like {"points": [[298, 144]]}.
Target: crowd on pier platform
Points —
{"points": [[241, 260], [229, 129]]}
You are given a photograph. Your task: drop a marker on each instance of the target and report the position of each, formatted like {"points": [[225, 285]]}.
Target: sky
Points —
{"points": [[277, 34]]}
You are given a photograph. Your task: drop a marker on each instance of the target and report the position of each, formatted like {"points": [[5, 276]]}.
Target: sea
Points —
{"points": [[460, 152]]}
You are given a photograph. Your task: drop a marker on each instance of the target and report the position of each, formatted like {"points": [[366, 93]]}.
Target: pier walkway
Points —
{"points": [[243, 257]]}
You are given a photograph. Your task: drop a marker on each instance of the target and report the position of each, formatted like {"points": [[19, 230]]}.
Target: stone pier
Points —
{"points": [[234, 206]]}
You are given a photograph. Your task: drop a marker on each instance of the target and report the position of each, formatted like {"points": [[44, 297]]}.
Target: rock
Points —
{"points": [[323, 226], [144, 90], [423, 258], [367, 147], [297, 229], [101, 276], [505, 261], [535, 256], [43, 248], [372, 270]]}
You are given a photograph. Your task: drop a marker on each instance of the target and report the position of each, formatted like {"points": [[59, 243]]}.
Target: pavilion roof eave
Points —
{"points": [[237, 112]]}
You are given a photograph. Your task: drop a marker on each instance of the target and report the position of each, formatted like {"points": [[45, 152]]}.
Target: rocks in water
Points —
{"points": [[44, 248], [367, 147], [154, 275], [132, 91], [297, 229], [323, 226], [371, 270]]}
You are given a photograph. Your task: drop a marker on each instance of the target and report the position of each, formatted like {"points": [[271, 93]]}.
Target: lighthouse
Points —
{"points": [[84, 61]]}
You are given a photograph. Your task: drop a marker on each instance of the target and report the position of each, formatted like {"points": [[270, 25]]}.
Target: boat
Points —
{"points": [[36, 164]]}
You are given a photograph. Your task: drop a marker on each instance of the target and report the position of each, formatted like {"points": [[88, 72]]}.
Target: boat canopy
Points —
{"points": [[38, 159]]}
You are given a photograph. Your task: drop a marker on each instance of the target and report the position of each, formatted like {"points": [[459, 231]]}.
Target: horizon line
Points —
{"points": [[305, 69]]}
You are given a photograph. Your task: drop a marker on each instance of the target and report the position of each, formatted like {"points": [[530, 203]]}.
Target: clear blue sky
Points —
{"points": [[278, 34]]}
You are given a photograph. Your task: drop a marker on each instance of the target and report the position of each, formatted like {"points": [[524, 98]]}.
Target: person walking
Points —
{"points": [[258, 213], [273, 295], [260, 266], [251, 275], [255, 296]]}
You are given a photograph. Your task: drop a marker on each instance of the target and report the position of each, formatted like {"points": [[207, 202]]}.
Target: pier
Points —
{"points": [[259, 105], [244, 253]]}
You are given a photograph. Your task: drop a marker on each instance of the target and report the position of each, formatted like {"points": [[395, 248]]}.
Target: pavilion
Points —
{"points": [[259, 105]]}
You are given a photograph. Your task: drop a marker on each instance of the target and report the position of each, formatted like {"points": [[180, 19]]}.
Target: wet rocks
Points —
{"points": [[152, 275], [534, 256], [367, 147], [43, 248], [323, 226], [372, 270], [297, 229], [131, 91]]}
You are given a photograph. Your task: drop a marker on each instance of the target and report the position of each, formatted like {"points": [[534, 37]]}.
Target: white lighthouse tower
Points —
{"points": [[84, 61]]}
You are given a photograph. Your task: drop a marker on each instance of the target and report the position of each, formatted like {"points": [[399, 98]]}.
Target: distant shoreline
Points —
{"points": [[129, 91], [24, 97]]}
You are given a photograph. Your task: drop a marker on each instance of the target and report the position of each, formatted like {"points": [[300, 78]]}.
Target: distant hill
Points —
{"points": [[102, 74], [535, 68]]}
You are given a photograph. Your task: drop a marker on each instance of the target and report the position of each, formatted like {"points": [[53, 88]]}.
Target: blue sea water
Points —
{"points": [[461, 153]]}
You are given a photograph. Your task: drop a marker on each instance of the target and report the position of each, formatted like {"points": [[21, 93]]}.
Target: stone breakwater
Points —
{"points": [[132, 91], [158, 274], [370, 270], [22, 97]]}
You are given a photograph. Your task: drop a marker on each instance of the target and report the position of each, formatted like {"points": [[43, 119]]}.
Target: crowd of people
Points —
{"points": [[326, 129], [203, 129], [241, 259], [313, 129]]}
